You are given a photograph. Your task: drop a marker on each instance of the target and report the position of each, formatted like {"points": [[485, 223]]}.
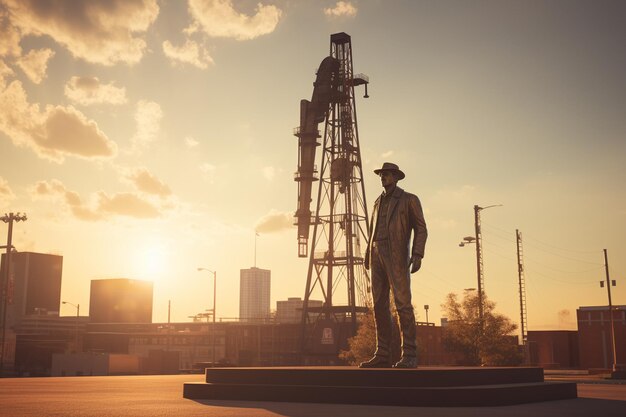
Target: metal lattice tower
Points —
{"points": [[522, 287], [336, 270]]}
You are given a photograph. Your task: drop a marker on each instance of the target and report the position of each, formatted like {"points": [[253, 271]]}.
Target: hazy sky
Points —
{"points": [[148, 138]]}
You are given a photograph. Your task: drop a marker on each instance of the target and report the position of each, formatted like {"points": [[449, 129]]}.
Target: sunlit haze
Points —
{"points": [[147, 139]]}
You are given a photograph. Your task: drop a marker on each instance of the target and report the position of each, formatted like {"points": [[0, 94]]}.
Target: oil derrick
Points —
{"points": [[336, 272]]}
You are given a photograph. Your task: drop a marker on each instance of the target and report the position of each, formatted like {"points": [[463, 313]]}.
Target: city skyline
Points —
{"points": [[159, 139]]}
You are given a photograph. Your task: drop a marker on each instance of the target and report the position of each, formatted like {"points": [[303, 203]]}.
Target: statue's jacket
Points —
{"points": [[403, 216]]}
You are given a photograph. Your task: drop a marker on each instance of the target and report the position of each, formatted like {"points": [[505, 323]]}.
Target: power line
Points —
{"points": [[532, 271], [440, 279], [565, 257], [505, 235], [533, 262], [496, 230], [596, 268], [500, 255], [431, 290], [496, 245], [563, 249]]}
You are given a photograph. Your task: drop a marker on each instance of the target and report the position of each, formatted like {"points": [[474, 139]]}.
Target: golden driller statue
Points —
{"points": [[396, 214]]}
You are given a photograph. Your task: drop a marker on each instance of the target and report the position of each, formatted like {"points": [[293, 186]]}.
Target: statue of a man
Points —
{"points": [[396, 213]]}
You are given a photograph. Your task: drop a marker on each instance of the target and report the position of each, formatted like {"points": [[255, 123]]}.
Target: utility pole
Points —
{"points": [[522, 288], [479, 258], [7, 218], [479, 261], [608, 290]]}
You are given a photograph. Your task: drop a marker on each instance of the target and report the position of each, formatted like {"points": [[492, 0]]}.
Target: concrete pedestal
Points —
{"points": [[423, 387]]}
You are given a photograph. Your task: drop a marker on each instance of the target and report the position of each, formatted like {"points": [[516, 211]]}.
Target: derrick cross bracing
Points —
{"points": [[336, 272]]}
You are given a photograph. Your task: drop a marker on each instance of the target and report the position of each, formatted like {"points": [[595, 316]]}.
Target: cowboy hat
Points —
{"points": [[388, 166]]}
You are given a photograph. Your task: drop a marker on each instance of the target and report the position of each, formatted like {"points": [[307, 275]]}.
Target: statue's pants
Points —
{"points": [[386, 277]]}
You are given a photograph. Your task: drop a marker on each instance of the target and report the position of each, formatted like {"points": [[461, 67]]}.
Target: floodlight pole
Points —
{"points": [[4, 281], [214, 299]]}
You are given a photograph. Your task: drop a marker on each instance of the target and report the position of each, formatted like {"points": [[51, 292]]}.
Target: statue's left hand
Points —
{"points": [[415, 264]]}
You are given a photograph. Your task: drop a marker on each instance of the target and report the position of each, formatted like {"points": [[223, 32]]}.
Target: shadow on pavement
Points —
{"points": [[576, 407]]}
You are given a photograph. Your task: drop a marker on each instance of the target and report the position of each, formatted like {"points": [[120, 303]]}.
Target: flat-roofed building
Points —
{"points": [[120, 300], [594, 336], [34, 285], [290, 310], [33, 288], [254, 294]]}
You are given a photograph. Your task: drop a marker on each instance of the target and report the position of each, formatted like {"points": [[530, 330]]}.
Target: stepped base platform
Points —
{"points": [[421, 387]]}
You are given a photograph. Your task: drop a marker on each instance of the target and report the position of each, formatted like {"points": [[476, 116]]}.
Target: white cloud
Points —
{"points": [[53, 133], [67, 131], [455, 194], [127, 204], [218, 18], [35, 63], [148, 118], [9, 36], [55, 189], [104, 205], [341, 9], [269, 173], [6, 193], [274, 221], [206, 167], [89, 90], [189, 53], [99, 31], [5, 71], [386, 154], [209, 171], [191, 142], [147, 182]]}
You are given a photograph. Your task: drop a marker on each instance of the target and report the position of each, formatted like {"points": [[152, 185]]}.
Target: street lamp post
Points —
{"points": [[77, 307], [479, 255], [4, 281], [213, 310]]}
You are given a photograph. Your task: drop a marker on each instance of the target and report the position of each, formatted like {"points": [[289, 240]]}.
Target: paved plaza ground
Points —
{"points": [[154, 396]]}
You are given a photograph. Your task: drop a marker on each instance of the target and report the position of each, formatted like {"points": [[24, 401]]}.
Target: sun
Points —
{"points": [[152, 261]]}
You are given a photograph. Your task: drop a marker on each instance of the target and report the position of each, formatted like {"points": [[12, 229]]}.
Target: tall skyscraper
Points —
{"points": [[254, 294], [34, 285], [120, 300]]}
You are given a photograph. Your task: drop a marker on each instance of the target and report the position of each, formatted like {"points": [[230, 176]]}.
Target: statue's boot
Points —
{"points": [[407, 362], [377, 362]]}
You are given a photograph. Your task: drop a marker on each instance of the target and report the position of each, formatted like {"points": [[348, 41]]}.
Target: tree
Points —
{"points": [[488, 343], [363, 344]]}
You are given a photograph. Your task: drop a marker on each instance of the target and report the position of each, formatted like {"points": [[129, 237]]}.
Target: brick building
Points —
{"points": [[594, 335], [554, 349]]}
